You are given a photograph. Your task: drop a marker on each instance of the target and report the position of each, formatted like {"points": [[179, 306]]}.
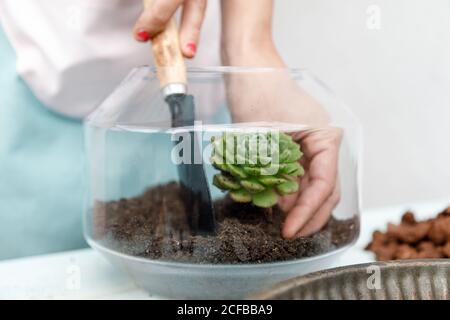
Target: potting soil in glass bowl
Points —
{"points": [[267, 137]]}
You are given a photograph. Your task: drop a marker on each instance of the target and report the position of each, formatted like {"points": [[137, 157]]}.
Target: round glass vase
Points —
{"points": [[136, 214]]}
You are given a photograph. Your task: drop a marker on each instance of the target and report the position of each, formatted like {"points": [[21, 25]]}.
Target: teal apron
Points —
{"points": [[41, 171]]}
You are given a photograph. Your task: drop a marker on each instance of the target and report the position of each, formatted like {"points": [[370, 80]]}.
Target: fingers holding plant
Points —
{"points": [[321, 217], [157, 14], [310, 208]]}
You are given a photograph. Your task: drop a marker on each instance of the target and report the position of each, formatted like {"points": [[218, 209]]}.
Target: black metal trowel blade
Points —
{"points": [[192, 175]]}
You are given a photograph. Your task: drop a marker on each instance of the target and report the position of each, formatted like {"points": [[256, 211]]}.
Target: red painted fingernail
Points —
{"points": [[192, 47], [143, 35]]}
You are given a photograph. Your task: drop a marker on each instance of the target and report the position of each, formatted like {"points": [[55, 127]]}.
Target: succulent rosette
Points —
{"points": [[256, 167]]}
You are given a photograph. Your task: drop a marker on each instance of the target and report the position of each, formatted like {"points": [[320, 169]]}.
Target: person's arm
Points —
{"points": [[247, 41], [247, 34]]}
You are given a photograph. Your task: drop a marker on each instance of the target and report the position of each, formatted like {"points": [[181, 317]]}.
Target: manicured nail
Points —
{"points": [[143, 35], [192, 47]]}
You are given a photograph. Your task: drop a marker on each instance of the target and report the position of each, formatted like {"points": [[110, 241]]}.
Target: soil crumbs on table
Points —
{"points": [[154, 225]]}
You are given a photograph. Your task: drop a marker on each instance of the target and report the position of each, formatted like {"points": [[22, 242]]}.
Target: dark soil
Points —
{"points": [[154, 225]]}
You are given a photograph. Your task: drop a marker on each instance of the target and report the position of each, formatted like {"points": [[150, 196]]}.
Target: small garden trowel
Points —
{"points": [[171, 72]]}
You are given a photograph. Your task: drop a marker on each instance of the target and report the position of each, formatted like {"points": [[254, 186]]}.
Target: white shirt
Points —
{"points": [[73, 53]]}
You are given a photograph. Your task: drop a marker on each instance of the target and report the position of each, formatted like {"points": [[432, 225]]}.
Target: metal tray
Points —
{"points": [[395, 280]]}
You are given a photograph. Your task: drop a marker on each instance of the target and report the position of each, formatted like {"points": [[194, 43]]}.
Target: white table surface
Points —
{"points": [[85, 274]]}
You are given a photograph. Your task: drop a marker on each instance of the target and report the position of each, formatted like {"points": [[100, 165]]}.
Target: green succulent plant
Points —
{"points": [[256, 167]]}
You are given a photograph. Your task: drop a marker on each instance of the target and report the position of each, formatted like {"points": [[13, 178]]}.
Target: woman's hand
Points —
{"points": [[311, 207], [157, 14], [277, 98]]}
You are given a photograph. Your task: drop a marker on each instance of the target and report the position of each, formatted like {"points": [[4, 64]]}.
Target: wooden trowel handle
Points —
{"points": [[167, 54]]}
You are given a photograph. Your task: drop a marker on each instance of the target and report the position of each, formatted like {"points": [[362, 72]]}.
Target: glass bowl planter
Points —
{"points": [[135, 213]]}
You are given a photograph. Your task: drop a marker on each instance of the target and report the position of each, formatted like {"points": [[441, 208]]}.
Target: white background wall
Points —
{"points": [[395, 79]]}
